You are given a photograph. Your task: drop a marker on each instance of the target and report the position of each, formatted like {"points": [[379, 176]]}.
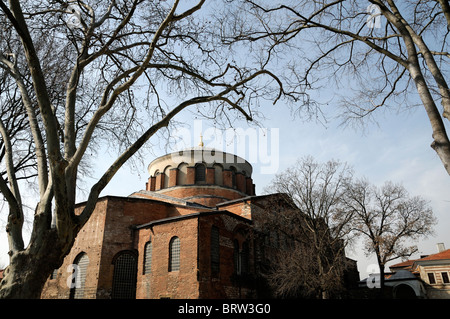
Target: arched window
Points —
{"points": [[182, 172], [166, 174], [124, 278], [200, 173], [215, 250], [80, 265], [148, 258], [174, 254]]}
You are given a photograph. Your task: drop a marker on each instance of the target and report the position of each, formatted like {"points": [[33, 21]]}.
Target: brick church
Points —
{"points": [[188, 234]]}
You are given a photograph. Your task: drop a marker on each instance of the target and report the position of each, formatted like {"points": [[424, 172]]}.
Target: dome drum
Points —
{"points": [[200, 167]]}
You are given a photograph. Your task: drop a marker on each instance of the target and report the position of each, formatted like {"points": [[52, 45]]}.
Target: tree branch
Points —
{"points": [[12, 195], [41, 156]]}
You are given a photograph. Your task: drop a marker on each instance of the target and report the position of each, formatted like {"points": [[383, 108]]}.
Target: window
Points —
{"points": [[215, 250], [241, 258], [445, 277], [431, 279], [148, 258], [200, 173], [236, 257], [166, 177], [81, 263], [182, 173], [244, 258], [233, 176], [218, 174], [124, 278], [174, 254]]}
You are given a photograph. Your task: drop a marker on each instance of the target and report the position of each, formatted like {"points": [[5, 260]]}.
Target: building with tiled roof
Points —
{"points": [[432, 270], [406, 265]]}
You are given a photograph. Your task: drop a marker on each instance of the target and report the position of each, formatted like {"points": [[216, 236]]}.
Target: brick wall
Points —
{"points": [[160, 282], [195, 278], [107, 233], [90, 239], [223, 284]]}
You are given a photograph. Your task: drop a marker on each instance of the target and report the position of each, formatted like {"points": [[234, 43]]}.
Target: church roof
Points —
{"points": [[188, 216], [143, 194]]}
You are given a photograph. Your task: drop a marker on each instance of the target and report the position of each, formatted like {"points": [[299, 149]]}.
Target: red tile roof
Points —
{"points": [[439, 256], [404, 265], [408, 265]]}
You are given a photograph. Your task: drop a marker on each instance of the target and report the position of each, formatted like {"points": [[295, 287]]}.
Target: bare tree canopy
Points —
{"points": [[390, 55], [389, 219], [325, 210], [118, 71], [14, 128], [313, 221]]}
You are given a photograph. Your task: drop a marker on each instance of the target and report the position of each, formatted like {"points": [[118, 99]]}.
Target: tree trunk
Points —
{"points": [[382, 290], [21, 280], [441, 143], [28, 272]]}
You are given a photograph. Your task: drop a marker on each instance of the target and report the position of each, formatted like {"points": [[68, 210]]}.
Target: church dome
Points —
{"points": [[202, 175]]}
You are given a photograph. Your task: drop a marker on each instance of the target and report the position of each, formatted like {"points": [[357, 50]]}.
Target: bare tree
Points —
{"points": [[14, 129], [389, 219], [379, 54], [311, 218], [126, 69]]}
